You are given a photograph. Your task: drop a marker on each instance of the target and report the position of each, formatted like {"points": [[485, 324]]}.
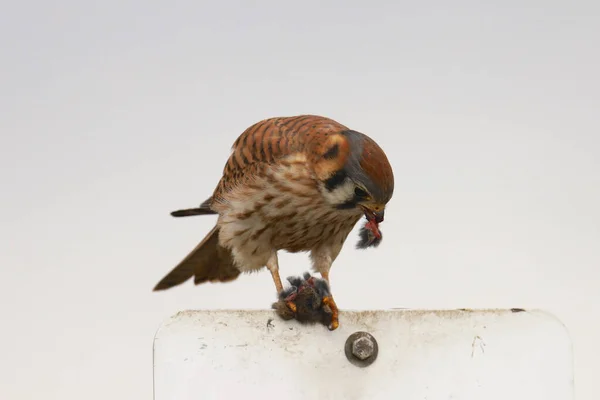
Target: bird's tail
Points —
{"points": [[208, 262], [204, 209]]}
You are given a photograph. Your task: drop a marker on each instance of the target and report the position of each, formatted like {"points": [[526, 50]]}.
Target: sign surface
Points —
{"points": [[422, 354]]}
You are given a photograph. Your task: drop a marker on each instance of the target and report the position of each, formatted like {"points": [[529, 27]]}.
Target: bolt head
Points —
{"points": [[363, 348]]}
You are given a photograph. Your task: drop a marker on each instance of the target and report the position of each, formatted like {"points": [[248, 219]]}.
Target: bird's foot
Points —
{"points": [[292, 306], [329, 302], [289, 301], [304, 301]]}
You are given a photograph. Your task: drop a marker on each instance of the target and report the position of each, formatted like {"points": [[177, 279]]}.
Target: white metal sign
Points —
{"points": [[412, 354]]}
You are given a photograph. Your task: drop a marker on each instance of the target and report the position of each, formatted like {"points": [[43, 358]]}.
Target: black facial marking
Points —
{"points": [[347, 205], [332, 152], [335, 180]]}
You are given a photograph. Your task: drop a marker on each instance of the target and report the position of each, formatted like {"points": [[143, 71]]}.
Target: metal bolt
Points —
{"points": [[361, 349]]}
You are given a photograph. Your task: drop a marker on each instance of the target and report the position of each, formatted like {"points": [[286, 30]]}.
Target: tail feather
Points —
{"points": [[204, 209], [208, 262], [188, 212]]}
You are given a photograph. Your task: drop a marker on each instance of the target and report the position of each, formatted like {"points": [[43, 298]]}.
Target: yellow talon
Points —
{"points": [[291, 306], [335, 323]]}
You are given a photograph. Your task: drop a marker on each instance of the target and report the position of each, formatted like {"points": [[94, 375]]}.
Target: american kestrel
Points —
{"points": [[295, 184]]}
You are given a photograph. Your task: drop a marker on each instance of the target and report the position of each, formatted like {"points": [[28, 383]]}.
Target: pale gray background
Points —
{"points": [[114, 113]]}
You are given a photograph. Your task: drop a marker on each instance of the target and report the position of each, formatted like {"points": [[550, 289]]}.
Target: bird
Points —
{"points": [[296, 184]]}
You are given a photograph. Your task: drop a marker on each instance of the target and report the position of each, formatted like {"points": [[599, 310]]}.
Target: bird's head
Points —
{"points": [[357, 175]]}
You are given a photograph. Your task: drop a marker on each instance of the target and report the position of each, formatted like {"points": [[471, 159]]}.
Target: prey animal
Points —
{"points": [[296, 184]]}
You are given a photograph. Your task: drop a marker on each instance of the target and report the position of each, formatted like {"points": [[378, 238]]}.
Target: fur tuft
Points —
{"points": [[367, 239]]}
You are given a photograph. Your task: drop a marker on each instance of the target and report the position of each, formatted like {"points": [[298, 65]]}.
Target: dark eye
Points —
{"points": [[360, 193]]}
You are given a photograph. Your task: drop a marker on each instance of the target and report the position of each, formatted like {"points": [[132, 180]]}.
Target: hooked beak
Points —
{"points": [[374, 214]]}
